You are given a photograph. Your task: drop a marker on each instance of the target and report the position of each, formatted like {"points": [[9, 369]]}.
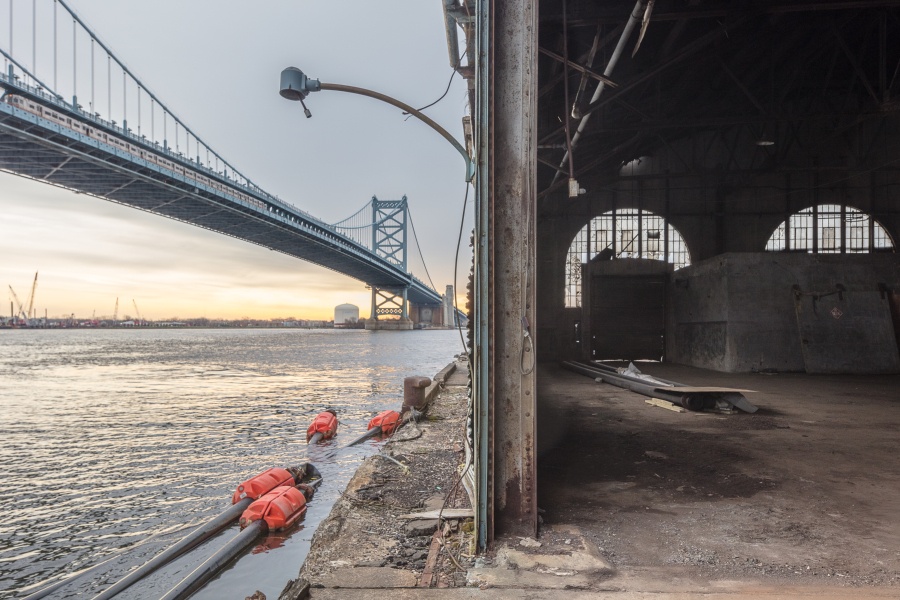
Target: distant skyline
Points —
{"points": [[216, 64]]}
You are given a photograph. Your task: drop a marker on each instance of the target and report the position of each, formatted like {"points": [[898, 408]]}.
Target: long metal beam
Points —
{"points": [[481, 369], [512, 189], [581, 69]]}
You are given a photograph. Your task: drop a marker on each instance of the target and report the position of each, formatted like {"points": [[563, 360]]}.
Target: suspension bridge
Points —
{"points": [[128, 147]]}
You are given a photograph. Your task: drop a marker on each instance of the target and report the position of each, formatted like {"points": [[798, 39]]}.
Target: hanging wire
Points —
{"points": [[462, 221], [419, 248], [446, 91]]}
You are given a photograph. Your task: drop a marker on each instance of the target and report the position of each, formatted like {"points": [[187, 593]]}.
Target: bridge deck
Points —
{"points": [[44, 150]]}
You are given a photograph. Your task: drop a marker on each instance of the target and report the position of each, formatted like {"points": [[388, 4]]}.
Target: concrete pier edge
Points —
{"points": [[300, 588]]}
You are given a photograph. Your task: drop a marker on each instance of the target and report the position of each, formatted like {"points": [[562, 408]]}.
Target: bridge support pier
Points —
{"points": [[389, 325], [427, 315], [389, 303]]}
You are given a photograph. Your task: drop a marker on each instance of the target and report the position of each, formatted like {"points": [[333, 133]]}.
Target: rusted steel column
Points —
{"points": [[512, 195]]}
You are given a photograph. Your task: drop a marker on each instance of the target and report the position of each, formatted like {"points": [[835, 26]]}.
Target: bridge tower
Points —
{"points": [[389, 222]]}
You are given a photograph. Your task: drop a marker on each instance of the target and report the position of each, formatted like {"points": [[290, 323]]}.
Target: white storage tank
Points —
{"points": [[345, 313]]}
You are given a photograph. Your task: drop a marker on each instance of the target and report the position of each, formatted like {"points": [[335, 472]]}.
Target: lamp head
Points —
{"points": [[295, 85]]}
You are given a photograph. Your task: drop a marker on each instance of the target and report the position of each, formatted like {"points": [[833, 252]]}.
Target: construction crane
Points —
{"points": [[116, 311], [30, 310], [138, 311], [21, 311]]}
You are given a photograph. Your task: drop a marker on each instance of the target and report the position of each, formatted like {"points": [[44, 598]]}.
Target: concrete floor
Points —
{"points": [[803, 494]]}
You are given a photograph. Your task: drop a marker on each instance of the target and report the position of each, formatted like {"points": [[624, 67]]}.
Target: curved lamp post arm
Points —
{"points": [[295, 85]]}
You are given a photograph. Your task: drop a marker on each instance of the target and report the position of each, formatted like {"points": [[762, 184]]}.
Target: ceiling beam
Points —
{"points": [[574, 65], [606, 15]]}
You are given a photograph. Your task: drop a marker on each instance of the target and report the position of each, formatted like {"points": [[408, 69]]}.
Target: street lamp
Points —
{"points": [[296, 86]]}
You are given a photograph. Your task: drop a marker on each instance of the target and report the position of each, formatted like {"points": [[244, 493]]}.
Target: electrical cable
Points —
{"points": [[449, 83], [444, 95], [462, 222], [527, 340]]}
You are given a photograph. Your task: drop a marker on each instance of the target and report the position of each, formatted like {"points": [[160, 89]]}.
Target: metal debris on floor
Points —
{"points": [[694, 398]]}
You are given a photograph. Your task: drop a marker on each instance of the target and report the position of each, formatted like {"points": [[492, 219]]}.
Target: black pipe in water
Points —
{"points": [[216, 562], [191, 540]]}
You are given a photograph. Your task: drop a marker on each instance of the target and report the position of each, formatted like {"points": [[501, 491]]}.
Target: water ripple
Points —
{"points": [[110, 437]]}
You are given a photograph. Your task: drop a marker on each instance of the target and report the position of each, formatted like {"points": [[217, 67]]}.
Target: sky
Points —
{"points": [[216, 64]]}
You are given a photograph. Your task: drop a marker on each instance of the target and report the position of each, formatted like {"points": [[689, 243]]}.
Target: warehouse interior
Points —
{"points": [[741, 169], [718, 197], [710, 190]]}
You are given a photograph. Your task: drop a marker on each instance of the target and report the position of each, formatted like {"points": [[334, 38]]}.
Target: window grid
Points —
{"points": [[830, 229], [628, 233]]}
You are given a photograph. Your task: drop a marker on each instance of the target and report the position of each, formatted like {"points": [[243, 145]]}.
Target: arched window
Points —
{"points": [[830, 229], [623, 233]]}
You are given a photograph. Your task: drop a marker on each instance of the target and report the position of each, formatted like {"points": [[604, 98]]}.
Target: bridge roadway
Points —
{"points": [[56, 153]]}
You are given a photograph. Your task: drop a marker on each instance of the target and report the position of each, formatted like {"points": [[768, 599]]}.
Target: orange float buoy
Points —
{"points": [[388, 420], [323, 427], [264, 482], [280, 508]]}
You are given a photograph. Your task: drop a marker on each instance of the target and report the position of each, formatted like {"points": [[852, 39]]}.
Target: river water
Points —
{"points": [[111, 437]]}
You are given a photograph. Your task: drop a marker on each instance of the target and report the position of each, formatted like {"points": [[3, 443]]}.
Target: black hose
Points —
{"points": [[55, 586], [367, 435], [227, 553], [216, 562], [411, 415], [198, 535], [311, 472]]}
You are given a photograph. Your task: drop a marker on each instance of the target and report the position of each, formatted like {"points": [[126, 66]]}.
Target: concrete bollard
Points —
{"points": [[414, 392]]}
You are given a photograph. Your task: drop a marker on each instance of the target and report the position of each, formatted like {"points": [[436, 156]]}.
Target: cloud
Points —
{"points": [[218, 70], [89, 251]]}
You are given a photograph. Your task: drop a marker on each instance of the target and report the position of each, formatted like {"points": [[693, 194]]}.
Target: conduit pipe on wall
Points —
{"points": [[636, 17], [452, 38]]}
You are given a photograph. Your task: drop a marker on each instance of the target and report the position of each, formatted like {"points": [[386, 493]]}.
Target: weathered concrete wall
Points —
{"points": [[697, 330], [738, 313]]}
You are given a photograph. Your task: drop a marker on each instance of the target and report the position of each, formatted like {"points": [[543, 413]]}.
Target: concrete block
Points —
{"points": [[367, 578]]}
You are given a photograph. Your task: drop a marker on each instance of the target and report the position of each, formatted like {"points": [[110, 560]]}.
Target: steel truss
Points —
{"points": [[389, 222]]}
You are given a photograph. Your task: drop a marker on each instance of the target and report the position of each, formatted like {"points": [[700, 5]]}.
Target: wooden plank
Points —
{"points": [[447, 513], [431, 562], [664, 404]]}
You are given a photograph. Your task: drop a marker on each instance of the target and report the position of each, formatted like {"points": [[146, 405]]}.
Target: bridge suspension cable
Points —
{"points": [[134, 118], [419, 250]]}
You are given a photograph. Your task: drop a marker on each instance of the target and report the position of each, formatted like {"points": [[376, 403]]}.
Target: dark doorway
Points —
{"points": [[628, 317]]}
